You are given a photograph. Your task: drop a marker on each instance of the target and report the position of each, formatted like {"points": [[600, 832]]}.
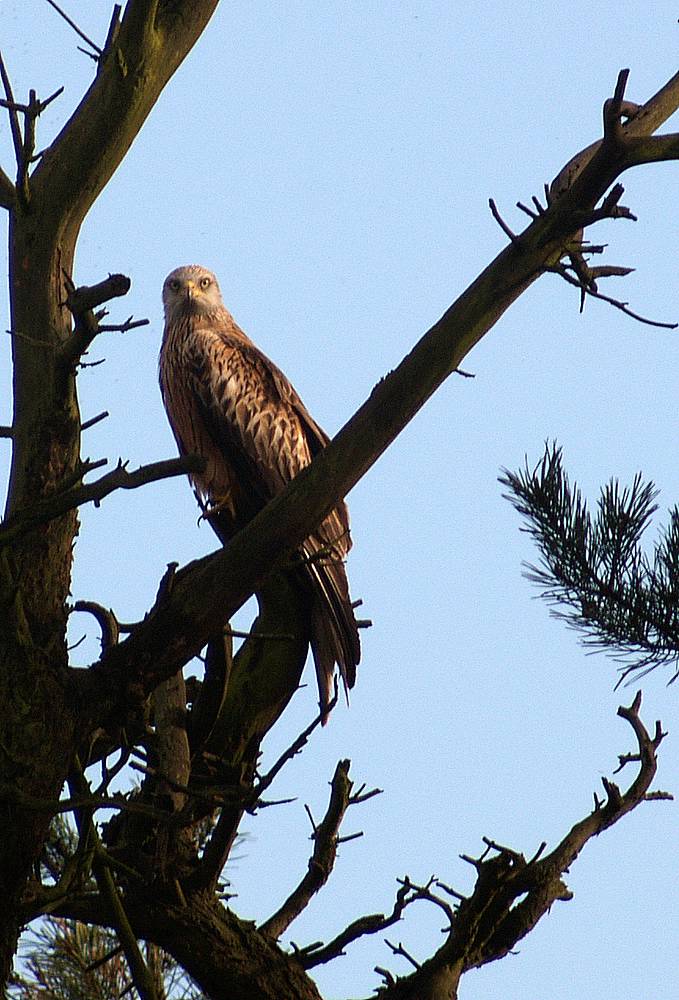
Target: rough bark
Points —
{"points": [[38, 725], [226, 956]]}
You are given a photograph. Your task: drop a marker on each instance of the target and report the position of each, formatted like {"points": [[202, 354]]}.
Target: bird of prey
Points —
{"points": [[227, 402]]}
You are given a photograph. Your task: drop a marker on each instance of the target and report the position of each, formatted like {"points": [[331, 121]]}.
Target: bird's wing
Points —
{"points": [[255, 415], [265, 433]]}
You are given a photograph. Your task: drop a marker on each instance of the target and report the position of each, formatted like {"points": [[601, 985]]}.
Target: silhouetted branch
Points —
{"points": [[15, 128], [647, 118], [82, 302], [295, 747], [86, 424], [118, 479], [325, 838], [75, 27], [107, 621], [588, 287], [512, 894], [318, 954]]}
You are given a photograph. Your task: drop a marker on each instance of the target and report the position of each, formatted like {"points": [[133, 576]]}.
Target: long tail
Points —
{"points": [[334, 630]]}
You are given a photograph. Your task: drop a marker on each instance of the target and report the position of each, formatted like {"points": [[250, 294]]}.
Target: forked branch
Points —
{"points": [[82, 302], [325, 836], [118, 479], [511, 893]]}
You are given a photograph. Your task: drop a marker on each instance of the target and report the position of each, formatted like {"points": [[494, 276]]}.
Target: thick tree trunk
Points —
{"points": [[38, 732], [37, 724]]}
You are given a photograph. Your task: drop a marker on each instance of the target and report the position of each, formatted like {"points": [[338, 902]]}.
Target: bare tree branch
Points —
{"points": [[82, 302], [118, 479], [295, 747], [318, 954], [322, 860], [107, 621], [646, 120], [86, 424], [512, 894], [151, 42], [15, 128], [75, 27]]}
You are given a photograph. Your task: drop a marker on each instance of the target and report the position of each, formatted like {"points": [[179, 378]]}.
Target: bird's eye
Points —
{"points": [[174, 285], [205, 282]]}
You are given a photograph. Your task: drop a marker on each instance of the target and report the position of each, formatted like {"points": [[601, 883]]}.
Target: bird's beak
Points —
{"points": [[190, 289]]}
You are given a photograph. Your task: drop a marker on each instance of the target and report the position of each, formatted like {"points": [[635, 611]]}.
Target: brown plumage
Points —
{"points": [[227, 402]]}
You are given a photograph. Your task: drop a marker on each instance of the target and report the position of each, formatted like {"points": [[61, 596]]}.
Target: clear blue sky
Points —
{"points": [[332, 162]]}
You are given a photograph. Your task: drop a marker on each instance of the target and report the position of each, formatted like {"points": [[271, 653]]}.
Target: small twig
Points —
{"points": [[424, 892], [118, 479], [77, 30], [450, 891], [110, 630], [292, 751], [95, 58], [318, 953], [400, 950], [614, 109], [6, 432], [86, 424], [501, 222], [622, 306], [527, 211], [389, 980], [363, 796], [129, 324]]}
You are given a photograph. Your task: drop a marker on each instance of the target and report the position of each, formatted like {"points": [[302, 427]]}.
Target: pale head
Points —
{"points": [[191, 290]]}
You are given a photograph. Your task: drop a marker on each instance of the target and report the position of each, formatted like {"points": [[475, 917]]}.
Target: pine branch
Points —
{"points": [[593, 570]]}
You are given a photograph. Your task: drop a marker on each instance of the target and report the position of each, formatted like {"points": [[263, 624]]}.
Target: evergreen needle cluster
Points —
{"points": [[593, 570]]}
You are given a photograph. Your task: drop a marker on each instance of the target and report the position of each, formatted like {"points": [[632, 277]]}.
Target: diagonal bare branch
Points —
{"points": [[75, 27], [325, 838], [14, 125], [211, 589], [512, 894]]}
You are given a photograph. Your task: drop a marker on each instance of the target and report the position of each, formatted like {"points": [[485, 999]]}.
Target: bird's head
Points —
{"points": [[191, 290]]}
